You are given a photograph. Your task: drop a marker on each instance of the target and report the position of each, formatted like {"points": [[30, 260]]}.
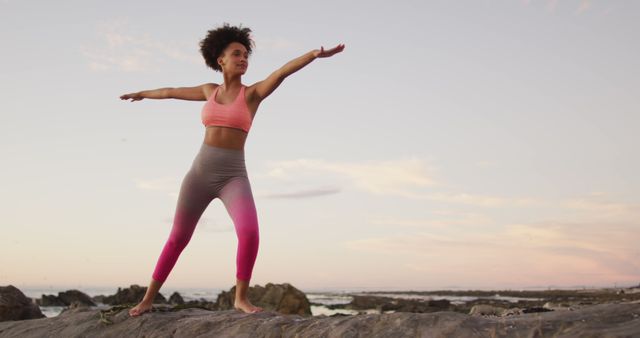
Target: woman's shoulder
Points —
{"points": [[208, 89], [250, 90]]}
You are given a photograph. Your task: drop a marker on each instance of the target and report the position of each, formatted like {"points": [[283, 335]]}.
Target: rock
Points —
{"points": [[50, 300], [384, 304], [615, 320], [486, 310], [14, 305], [98, 299], [493, 302], [560, 306], [74, 306], [514, 311], [495, 311], [535, 309], [414, 305], [74, 296], [175, 298], [65, 298], [201, 304], [442, 303], [367, 302], [131, 295], [77, 305], [283, 298]]}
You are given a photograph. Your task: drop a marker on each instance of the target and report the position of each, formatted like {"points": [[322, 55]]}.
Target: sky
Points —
{"points": [[452, 144]]}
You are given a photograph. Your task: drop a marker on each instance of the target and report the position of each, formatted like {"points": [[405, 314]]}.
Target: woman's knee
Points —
{"points": [[182, 231], [178, 243], [248, 232]]}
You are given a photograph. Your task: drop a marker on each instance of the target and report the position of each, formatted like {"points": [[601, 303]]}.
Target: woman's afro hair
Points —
{"points": [[218, 39]]}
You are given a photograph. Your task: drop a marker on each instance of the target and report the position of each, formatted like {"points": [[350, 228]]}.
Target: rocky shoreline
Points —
{"points": [[492, 302], [570, 313]]}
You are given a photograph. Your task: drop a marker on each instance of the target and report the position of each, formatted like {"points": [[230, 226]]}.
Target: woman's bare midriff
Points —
{"points": [[224, 137]]}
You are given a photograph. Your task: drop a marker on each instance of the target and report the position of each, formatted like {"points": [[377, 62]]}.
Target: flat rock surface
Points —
{"points": [[602, 320]]}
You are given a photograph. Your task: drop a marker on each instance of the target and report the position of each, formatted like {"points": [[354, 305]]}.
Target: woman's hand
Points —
{"points": [[322, 53], [133, 96]]}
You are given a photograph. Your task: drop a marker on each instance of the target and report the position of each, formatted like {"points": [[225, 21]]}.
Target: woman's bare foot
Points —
{"points": [[139, 309], [246, 306], [147, 300]]}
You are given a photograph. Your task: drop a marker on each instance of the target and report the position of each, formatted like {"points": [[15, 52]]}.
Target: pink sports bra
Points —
{"points": [[234, 115]]}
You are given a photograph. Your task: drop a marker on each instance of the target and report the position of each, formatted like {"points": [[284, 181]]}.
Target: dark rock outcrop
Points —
{"points": [[283, 298], [74, 306], [175, 298], [383, 304], [612, 320], [200, 304], [98, 299], [131, 295], [66, 298], [487, 310], [14, 305], [50, 300], [74, 296]]}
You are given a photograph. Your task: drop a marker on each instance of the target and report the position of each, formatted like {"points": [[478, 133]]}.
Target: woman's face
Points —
{"points": [[234, 59]]}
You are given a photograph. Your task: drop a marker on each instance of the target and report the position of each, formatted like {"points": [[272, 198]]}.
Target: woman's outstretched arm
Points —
{"points": [[197, 93], [265, 87]]}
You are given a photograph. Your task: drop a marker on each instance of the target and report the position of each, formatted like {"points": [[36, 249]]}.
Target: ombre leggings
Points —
{"points": [[216, 172]]}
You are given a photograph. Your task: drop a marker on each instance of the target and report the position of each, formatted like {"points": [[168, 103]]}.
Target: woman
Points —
{"points": [[219, 168]]}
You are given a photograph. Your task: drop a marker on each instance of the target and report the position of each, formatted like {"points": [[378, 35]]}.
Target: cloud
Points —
{"points": [[422, 244], [303, 193], [119, 47], [599, 202], [438, 221], [600, 205], [577, 237], [399, 177], [551, 252], [480, 200], [406, 178]]}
